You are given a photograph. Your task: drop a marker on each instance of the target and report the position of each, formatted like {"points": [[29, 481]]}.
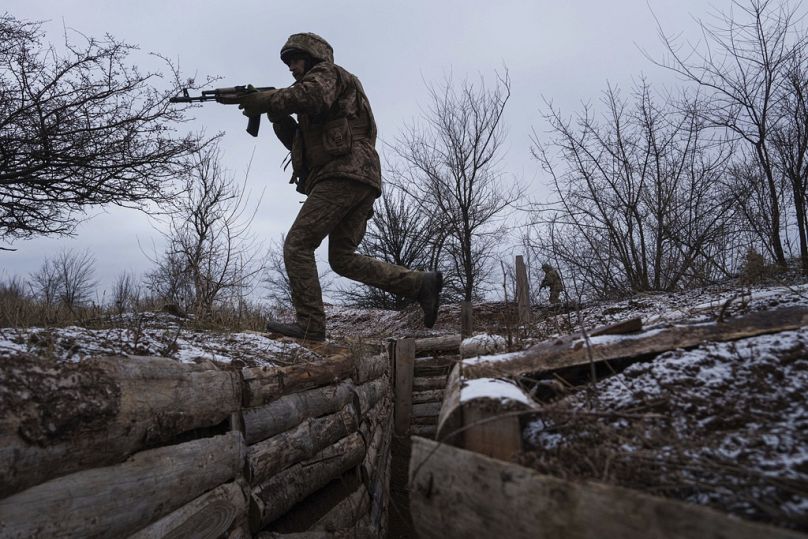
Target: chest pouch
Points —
{"points": [[337, 137]]}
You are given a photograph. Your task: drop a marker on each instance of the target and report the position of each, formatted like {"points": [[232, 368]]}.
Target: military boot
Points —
{"points": [[295, 330], [429, 296]]}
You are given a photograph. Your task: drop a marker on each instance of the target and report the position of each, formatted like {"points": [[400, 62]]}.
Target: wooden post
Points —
{"points": [[466, 319], [522, 291], [404, 368]]}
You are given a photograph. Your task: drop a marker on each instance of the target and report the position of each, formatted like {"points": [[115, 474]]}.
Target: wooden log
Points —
{"points": [[115, 500], [58, 418], [212, 515], [490, 433], [373, 445], [268, 457], [426, 420], [405, 362], [431, 395], [425, 431], [282, 491], [428, 383], [426, 409], [370, 393], [290, 410], [522, 291], [458, 494], [371, 367], [265, 384], [445, 343], [450, 418], [434, 365], [554, 355], [346, 513]]}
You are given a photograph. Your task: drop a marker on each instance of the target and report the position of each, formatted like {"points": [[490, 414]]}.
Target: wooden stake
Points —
{"points": [[522, 291], [405, 365]]}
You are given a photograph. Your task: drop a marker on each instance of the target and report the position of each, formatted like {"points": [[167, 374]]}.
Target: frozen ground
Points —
{"points": [[723, 425], [152, 334]]}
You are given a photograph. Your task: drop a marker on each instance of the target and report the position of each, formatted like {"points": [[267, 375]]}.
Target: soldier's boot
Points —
{"points": [[429, 296], [295, 330]]}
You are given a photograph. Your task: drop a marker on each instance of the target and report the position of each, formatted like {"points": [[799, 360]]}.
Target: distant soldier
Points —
{"points": [[553, 280], [332, 139]]}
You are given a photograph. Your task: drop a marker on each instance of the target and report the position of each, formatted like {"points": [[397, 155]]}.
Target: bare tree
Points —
{"points": [[402, 233], [80, 128], [125, 293], [744, 65], [640, 199], [67, 280], [450, 161], [210, 251], [790, 142]]}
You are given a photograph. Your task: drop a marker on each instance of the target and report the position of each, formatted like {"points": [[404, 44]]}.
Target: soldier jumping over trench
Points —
{"points": [[336, 165]]}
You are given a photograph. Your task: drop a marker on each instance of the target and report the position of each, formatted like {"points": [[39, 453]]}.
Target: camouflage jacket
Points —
{"points": [[551, 279], [335, 133]]}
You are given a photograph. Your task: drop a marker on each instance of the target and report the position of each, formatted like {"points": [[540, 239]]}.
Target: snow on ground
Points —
{"points": [[152, 334], [725, 424]]}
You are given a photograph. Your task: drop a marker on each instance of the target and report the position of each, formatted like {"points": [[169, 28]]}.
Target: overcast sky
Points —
{"points": [[563, 51]]}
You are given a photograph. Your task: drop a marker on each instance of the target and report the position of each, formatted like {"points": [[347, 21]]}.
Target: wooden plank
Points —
{"points": [[115, 500], [456, 493], [265, 384], [58, 418], [279, 493], [405, 362], [290, 410], [444, 343], [562, 353], [214, 514], [631, 325], [268, 457], [426, 409], [522, 291], [466, 319], [425, 431], [427, 383], [450, 418], [431, 395]]}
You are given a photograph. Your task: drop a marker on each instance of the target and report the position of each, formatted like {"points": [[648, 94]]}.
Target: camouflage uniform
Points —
{"points": [[553, 280], [335, 163]]}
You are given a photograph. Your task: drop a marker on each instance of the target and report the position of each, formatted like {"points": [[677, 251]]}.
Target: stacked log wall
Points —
{"points": [[149, 447], [422, 397]]}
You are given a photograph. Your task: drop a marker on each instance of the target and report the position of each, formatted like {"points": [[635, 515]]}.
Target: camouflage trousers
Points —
{"points": [[338, 209]]}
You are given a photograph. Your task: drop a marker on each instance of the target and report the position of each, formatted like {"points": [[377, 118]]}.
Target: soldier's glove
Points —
{"points": [[255, 103]]}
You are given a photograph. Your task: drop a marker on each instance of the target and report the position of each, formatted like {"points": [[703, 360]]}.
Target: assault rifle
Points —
{"points": [[227, 96]]}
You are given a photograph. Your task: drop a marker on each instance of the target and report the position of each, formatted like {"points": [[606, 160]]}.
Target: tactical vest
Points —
{"points": [[330, 135]]}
